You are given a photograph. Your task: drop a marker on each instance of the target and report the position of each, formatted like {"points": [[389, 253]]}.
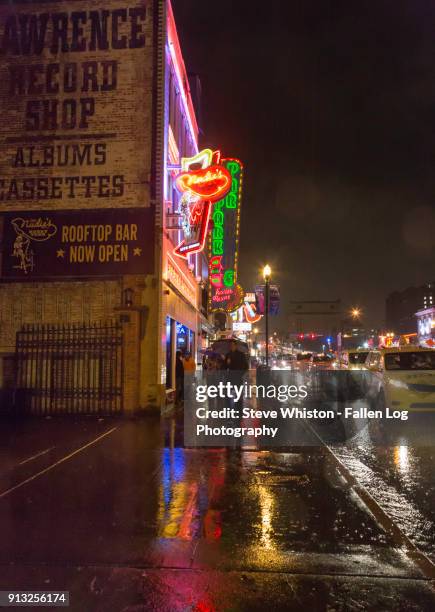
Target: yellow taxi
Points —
{"points": [[354, 359], [402, 377]]}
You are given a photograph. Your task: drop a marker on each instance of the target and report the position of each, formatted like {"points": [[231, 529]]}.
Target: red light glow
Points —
{"points": [[211, 183], [251, 313], [183, 249]]}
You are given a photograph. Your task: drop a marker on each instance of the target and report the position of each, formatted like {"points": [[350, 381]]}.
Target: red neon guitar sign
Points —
{"points": [[200, 188], [195, 213], [184, 249], [251, 315]]}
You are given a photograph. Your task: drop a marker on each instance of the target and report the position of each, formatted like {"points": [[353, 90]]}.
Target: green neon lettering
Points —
{"points": [[231, 200], [218, 217], [218, 232], [220, 279], [233, 167], [229, 278], [218, 247]]}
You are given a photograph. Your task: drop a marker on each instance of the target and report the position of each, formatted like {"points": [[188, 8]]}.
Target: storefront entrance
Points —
{"points": [[179, 337]]}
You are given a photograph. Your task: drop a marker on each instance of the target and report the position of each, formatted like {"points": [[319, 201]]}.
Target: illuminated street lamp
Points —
{"points": [[355, 313], [267, 272]]}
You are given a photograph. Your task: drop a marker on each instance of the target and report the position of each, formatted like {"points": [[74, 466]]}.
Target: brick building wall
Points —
{"points": [[76, 96], [51, 303], [84, 102]]}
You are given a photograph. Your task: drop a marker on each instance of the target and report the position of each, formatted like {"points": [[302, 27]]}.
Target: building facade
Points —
{"points": [[97, 113], [425, 320], [401, 307]]}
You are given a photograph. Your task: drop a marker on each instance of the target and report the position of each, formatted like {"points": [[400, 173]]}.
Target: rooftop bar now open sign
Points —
{"points": [[71, 244]]}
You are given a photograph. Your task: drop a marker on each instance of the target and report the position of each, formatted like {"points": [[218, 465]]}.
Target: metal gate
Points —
{"points": [[68, 369]]}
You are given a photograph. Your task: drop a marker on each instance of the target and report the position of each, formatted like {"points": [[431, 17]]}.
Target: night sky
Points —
{"points": [[331, 106]]}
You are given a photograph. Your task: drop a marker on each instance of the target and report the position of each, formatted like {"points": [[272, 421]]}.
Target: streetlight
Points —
{"points": [[355, 313], [266, 275]]}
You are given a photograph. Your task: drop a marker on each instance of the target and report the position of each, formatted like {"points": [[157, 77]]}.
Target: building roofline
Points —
{"points": [[314, 302], [423, 311], [180, 69]]}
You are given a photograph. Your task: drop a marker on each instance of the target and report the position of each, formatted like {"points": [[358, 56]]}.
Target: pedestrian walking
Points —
{"points": [[236, 360], [236, 363]]}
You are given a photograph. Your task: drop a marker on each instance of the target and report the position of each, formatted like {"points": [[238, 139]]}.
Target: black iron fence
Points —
{"points": [[67, 369]]}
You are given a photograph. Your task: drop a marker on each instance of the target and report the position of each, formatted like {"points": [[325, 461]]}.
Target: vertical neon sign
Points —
{"points": [[200, 188], [224, 292]]}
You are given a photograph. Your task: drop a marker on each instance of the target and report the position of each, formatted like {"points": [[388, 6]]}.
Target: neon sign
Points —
{"points": [[197, 233], [210, 183], [200, 187], [251, 314], [225, 294], [246, 315]]}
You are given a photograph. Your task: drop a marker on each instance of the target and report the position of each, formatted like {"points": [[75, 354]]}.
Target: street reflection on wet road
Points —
{"points": [[137, 522], [401, 479]]}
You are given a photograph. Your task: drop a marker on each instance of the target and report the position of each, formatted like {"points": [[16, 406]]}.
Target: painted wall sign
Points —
{"points": [[76, 103], [71, 244], [224, 243]]}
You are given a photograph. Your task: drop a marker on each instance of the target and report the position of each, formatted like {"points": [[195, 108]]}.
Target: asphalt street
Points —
{"points": [[121, 515]]}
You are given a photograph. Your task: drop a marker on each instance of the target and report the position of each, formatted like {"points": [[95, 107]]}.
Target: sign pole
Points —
{"points": [[267, 321]]}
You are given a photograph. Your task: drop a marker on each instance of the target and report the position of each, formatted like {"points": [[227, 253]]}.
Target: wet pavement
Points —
{"points": [[126, 519], [401, 479]]}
